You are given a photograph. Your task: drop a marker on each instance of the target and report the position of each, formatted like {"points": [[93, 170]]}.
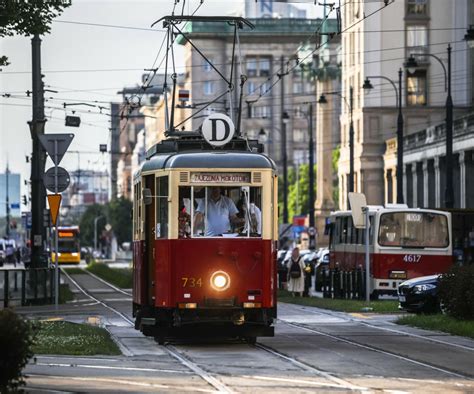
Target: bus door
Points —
{"points": [[149, 220]]}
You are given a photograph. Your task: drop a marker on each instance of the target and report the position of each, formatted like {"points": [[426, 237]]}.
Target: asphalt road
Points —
{"points": [[313, 351]]}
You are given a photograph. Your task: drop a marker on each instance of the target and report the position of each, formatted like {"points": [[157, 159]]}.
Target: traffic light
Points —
{"points": [[24, 199]]}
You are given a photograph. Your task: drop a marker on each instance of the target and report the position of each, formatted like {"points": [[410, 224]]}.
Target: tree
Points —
{"points": [[27, 18], [119, 215], [298, 193], [86, 224]]}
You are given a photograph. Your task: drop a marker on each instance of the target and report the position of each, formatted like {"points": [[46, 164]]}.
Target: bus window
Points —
{"points": [[413, 229], [161, 193], [216, 211]]}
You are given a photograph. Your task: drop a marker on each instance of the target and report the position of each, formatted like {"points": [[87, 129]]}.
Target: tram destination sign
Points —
{"points": [[220, 177]]}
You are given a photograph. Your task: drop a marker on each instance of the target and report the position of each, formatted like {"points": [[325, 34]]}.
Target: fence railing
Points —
{"points": [[343, 284], [34, 286]]}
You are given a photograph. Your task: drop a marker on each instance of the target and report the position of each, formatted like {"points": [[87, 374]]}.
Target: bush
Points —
{"points": [[456, 292], [16, 340]]}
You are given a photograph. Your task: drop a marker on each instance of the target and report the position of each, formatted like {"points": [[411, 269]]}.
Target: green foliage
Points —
{"points": [[456, 291], [86, 224], [16, 339], [440, 323], [28, 18], [61, 337], [120, 277], [119, 214], [336, 154], [298, 194]]}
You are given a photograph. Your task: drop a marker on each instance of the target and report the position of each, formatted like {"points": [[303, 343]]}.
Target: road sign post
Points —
{"points": [[56, 179]]}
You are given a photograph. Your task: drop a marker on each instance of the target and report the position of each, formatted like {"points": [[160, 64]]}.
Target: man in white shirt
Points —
{"points": [[221, 212]]}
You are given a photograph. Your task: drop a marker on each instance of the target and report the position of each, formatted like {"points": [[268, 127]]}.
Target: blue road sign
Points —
{"points": [[15, 205]]}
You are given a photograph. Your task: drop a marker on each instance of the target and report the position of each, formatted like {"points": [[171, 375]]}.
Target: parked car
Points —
{"points": [[420, 295]]}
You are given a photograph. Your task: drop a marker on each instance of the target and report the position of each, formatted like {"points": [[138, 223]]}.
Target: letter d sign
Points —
{"points": [[218, 129]]}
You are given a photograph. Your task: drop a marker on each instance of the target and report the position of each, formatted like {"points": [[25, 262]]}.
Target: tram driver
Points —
{"points": [[221, 213]]}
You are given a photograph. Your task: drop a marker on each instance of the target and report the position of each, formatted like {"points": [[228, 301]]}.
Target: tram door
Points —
{"points": [[150, 238]]}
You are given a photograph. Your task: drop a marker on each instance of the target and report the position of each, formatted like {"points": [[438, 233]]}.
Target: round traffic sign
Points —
{"points": [[49, 180], [218, 129]]}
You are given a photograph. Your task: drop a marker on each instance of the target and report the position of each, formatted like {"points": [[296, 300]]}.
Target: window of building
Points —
{"points": [[416, 88], [207, 65], [297, 87], [417, 7], [264, 87], [260, 111], [251, 67], [299, 135], [264, 65], [208, 87], [250, 87], [417, 40]]}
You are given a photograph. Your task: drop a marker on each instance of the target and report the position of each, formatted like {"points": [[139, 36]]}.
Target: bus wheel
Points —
{"points": [[374, 296]]}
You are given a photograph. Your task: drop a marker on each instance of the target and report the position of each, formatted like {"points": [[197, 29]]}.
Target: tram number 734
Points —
{"points": [[412, 258], [192, 282]]}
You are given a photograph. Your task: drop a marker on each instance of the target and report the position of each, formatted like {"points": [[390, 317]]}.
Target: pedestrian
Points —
{"points": [[296, 273]]}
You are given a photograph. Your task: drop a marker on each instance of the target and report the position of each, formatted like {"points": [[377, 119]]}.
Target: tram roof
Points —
{"points": [[218, 159]]}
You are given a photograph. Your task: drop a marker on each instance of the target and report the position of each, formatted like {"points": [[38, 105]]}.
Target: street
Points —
{"points": [[313, 350]]}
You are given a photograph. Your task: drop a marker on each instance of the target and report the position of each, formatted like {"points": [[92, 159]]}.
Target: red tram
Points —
{"points": [[405, 243], [191, 277]]}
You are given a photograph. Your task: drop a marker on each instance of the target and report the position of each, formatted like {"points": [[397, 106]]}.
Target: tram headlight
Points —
{"points": [[220, 280]]}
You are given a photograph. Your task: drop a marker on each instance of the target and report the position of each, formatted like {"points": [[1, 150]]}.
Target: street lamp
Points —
{"points": [[312, 232], [95, 230], [469, 37], [322, 100], [411, 65], [285, 118], [398, 95]]}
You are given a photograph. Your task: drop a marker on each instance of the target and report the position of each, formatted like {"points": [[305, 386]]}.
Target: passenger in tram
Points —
{"points": [[221, 212]]}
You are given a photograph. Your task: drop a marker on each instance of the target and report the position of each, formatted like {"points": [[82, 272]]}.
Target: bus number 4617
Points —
{"points": [[412, 258]]}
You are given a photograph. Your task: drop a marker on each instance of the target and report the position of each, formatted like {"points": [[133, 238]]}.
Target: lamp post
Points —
{"points": [[312, 231], [411, 65], [350, 107], [285, 119], [95, 230], [398, 93]]}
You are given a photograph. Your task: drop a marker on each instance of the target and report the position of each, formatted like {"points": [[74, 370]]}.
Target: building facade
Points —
{"points": [[379, 46]]}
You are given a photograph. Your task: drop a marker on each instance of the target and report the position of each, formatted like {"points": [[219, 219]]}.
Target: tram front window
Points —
{"points": [[220, 211], [413, 229]]}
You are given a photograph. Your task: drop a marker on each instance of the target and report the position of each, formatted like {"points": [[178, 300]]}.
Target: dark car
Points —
{"points": [[419, 295]]}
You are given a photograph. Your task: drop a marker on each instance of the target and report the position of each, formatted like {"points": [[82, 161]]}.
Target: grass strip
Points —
{"points": [[65, 293], [382, 306], [120, 277], [61, 337], [440, 322], [74, 271]]}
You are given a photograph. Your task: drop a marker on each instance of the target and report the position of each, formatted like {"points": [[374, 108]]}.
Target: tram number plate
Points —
{"points": [[192, 282], [412, 258]]}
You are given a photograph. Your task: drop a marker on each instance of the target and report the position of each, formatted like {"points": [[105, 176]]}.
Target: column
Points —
{"points": [[414, 188], [437, 174], [405, 184], [426, 190]]}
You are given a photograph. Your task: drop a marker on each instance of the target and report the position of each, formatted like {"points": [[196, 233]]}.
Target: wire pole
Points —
{"points": [[312, 232], [7, 201], [449, 192], [38, 159]]}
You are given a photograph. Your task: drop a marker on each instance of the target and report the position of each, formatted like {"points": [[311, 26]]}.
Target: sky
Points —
{"points": [[86, 63]]}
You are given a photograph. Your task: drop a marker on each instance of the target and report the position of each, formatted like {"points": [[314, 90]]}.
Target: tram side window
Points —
{"points": [[137, 210], [161, 207], [215, 211]]}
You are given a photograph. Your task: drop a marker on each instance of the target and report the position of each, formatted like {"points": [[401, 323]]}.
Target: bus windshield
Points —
{"points": [[68, 245], [413, 229]]}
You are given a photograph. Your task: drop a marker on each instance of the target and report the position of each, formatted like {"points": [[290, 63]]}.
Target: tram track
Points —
{"points": [[350, 318], [171, 350], [334, 382], [378, 350]]}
